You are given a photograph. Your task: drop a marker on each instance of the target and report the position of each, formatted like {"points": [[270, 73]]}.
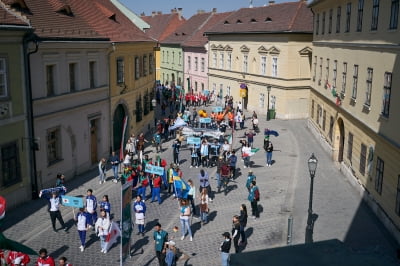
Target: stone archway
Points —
{"points": [[118, 122], [338, 143]]}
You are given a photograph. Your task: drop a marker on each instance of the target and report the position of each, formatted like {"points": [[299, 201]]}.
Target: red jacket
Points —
{"points": [[13, 255], [48, 261], [157, 181]]}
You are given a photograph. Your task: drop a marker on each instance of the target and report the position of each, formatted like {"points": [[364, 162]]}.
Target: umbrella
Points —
{"points": [[9, 244]]}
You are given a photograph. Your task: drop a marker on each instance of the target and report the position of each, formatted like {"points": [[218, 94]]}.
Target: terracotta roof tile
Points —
{"points": [[11, 18], [163, 25], [284, 17]]}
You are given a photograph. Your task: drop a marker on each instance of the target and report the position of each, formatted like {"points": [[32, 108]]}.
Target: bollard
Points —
{"points": [[289, 231]]}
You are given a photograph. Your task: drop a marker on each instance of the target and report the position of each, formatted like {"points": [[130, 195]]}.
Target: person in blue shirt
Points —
{"points": [[139, 207], [232, 163], [105, 205], [82, 219], [160, 242], [254, 197], [175, 150], [54, 201], [250, 178], [157, 141], [91, 205]]}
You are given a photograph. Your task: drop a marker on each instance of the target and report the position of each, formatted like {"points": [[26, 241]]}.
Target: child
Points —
{"points": [[91, 205], [105, 205], [102, 227], [170, 256], [82, 225]]}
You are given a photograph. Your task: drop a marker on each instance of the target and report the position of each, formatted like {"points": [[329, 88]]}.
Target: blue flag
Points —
{"points": [[181, 188]]}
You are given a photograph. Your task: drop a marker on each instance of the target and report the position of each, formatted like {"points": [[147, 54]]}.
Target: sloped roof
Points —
{"points": [[162, 25], [198, 39], [182, 33], [284, 17], [9, 17]]}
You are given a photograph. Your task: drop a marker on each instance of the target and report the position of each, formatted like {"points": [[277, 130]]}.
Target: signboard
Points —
{"points": [[205, 120], [152, 169], [217, 109], [193, 140], [70, 201]]}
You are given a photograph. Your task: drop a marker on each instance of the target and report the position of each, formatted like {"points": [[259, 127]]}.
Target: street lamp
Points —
{"points": [[268, 90], [312, 167]]}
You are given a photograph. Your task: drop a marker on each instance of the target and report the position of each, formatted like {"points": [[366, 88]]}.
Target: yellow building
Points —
{"points": [[267, 51], [353, 108]]}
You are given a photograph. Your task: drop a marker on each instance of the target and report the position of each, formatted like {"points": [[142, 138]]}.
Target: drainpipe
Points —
{"points": [[111, 127], [30, 38]]}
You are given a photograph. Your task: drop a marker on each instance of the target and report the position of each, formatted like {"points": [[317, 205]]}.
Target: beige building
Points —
{"points": [[353, 108], [264, 48]]}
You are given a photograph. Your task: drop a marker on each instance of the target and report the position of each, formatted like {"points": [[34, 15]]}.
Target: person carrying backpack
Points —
{"points": [[250, 178], [254, 197]]}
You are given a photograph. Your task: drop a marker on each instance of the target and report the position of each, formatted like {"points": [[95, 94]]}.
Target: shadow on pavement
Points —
{"points": [[212, 215], [58, 252], [138, 246]]}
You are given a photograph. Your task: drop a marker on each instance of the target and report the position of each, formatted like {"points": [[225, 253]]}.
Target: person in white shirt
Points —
{"points": [[102, 226]]}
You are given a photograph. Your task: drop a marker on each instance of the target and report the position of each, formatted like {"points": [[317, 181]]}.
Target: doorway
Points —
{"points": [[118, 123], [93, 140], [339, 141]]}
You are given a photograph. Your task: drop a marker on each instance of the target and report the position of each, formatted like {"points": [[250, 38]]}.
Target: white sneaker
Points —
{"points": [[100, 182], [102, 250], [82, 248], [197, 166], [244, 167], [183, 237], [105, 251], [191, 238], [191, 166]]}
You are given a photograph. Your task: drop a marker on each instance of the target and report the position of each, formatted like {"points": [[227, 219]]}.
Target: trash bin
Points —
{"points": [[271, 114]]}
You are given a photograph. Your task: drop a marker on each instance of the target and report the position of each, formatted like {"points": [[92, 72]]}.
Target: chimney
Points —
{"points": [[271, 2], [200, 11], [173, 11], [159, 13], [153, 13], [214, 10], [142, 14], [179, 13]]}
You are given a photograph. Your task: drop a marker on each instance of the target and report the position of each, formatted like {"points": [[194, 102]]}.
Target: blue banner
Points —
{"points": [[74, 202], [218, 109], [152, 169], [193, 140], [205, 120]]}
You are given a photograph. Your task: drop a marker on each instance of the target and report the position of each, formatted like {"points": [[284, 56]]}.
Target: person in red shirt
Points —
{"points": [[44, 259], [157, 181], [17, 258], [63, 262]]}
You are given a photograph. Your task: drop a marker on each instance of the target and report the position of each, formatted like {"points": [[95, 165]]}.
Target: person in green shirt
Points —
{"points": [[160, 243]]}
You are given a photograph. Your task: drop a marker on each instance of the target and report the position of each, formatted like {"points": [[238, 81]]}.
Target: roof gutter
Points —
{"points": [[257, 32]]}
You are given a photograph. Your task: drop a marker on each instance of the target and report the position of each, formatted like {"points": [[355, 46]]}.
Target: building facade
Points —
{"points": [[15, 141], [353, 108], [266, 51]]}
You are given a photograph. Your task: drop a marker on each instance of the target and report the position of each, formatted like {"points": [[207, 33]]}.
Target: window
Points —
{"points": [[72, 76], [137, 67], [360, 15], [261, 102], [312, 109], [195, 85], [387, 88], [167, 56], [173, 58], [214, 59], [363, 158], [330, 21], [263, 65], [369, 87], [379, 175], [189, 62], [331, 128], [398, 196], [375, 14], [350, 147], [151, 64], [180, 58], [120, 70], [229, 62], [92, 74], [327, 71], [245, 63], [344, 77], [10, 165], [348, 17], [3, 78], [317, 24], [221, 60], [323, 23], [355, 81], [320, 71], [202, 86], [50, 79], [338, 18], [144, 65], [274, 66], [315, 68], [139, 109], [324, 120], [394, 15], [334, 73], [319, 114], [203, 64], [196, 63], [53, 145], [163, 56]]}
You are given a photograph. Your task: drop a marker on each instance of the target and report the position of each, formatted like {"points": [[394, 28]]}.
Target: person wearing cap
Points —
{"points": [[225, 248], [170, 257], [160, 242], [250, 178]]}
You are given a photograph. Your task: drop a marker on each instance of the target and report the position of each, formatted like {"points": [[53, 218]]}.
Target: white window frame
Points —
{"points": [[229, 61], [214, 59], [245, 63], [203, 64], [274, 66], [221, 60], [3, 78], [263, 65]]}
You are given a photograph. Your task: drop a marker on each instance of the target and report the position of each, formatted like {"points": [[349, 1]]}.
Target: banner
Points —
{"points": [[193, 140], [70, 201], [126, 220], [121, 149], [152, 169], [59, 190], [181, 187], [205, 120], [217, 109], [113, 233]]}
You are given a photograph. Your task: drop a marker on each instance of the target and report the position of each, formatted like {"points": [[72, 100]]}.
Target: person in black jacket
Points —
{"points": [[243, 223], [225, 248], [236, 232]]}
